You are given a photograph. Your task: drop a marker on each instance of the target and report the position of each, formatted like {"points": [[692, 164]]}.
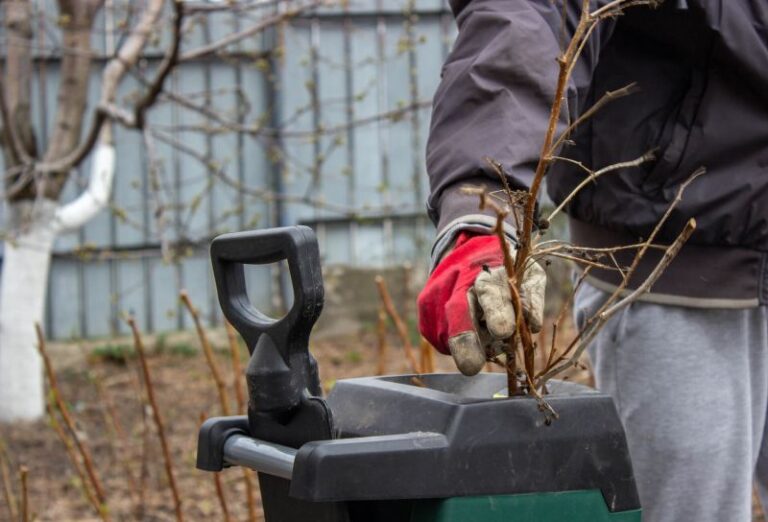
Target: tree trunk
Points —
{"points": [[27, 259]]}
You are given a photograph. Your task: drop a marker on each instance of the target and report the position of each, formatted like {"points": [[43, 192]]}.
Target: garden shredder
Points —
{"points": [[440, 448]]}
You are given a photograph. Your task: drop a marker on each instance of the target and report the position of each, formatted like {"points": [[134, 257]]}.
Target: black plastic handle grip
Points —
{"points": [[281, 367], [297, 245]]}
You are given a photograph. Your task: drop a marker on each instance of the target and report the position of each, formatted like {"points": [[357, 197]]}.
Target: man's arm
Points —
{"points": [[494, 101]]}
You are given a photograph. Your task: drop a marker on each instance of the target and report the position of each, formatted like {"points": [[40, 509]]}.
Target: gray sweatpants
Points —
{"points": [[691, 386]]}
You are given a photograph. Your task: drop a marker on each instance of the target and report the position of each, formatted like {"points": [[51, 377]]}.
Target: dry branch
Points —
{"points": [[522, 206], [127, 56], [607, 98], [402, 329], [237, 379], [210, 357], [237, 369], [381, 338], [10, 498], [218, 486], [250, 31], [564, 61], [69, 447], [63, 410], [648, 156], [220, 494], [23, 475], [522, 332], [157, 416], [585, 337], [112, 419], [427, 357]]}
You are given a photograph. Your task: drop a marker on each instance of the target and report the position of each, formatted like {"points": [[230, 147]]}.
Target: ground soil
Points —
{"points": [[186, 391]]}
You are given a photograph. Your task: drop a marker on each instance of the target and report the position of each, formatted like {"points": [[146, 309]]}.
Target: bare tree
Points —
{"points": [[35, 178]]}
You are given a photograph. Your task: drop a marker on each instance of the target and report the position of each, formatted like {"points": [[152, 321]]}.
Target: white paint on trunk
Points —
{"points": [[34, 226], [77, 213], [26, 262]]}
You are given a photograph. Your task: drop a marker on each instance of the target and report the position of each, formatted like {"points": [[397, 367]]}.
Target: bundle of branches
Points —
{"points": [[525, 376]]}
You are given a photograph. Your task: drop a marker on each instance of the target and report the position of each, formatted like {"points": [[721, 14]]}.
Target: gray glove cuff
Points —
{"points": [[477, 223]]}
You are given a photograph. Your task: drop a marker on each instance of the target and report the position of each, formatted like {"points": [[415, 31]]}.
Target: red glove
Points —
{"points": [[448, 307], [466, 307]]}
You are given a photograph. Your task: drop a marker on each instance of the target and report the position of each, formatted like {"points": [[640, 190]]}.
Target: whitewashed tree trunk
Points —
{"points": [[34, 218], [24, 282], [26, 262]]}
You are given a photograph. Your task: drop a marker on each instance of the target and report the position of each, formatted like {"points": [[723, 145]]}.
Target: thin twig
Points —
{"points": [[210, 357], [169, 62], [666, 259], [139, 344], [144, 465], [561, 315], [245, 33], [381, 338], [648, 156], [549, 411], [579, 260], [250, 491], [544, 248], [615, 7], [119, 442], [586, 336], [23, 475], [237, 379], [82, 448], [564, 61], [428, 357], [10, 498], [69, 448], [218, 486], [607, 98], [237, 369], [402, 330]]}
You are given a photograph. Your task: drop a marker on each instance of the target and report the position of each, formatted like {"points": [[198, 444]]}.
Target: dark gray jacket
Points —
{"points": [[702, 67]]}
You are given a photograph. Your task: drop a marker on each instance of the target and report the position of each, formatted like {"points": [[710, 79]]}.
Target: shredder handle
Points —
{"points": [[297, 245], [281, 369], [264, 457], [278, 460]]}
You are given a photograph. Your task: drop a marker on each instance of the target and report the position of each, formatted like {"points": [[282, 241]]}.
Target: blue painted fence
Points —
{"points": [[327, 121]]}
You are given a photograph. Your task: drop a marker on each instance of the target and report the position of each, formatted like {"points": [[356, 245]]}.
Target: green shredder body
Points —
{"points": [[440, 448]]}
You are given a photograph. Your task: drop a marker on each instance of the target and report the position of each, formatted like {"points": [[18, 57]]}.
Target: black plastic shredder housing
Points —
{"points": [[396, 440], [386, 438]]}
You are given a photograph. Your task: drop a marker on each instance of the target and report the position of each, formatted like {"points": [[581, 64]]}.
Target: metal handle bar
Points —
{"points": [[265, 457]]}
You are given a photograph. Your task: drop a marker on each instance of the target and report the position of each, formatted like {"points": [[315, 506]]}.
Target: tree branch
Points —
{"points": [[95, 197], [126, 57], [648, 156], [250, 31], [607, 98], [169, 62], [591, 330], [18, 140]]}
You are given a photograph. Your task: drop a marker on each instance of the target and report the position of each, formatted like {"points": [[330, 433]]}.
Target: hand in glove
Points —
{"points": [[466, 309]]}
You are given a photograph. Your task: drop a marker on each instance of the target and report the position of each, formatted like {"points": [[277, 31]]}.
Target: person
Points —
{"points": [[687, 364]]}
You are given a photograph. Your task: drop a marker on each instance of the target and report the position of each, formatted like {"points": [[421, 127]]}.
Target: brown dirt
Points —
{"points": [[185, 390]]}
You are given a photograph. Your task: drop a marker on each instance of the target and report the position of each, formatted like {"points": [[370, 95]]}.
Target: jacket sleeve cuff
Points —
{"points": [[458, 213]]}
